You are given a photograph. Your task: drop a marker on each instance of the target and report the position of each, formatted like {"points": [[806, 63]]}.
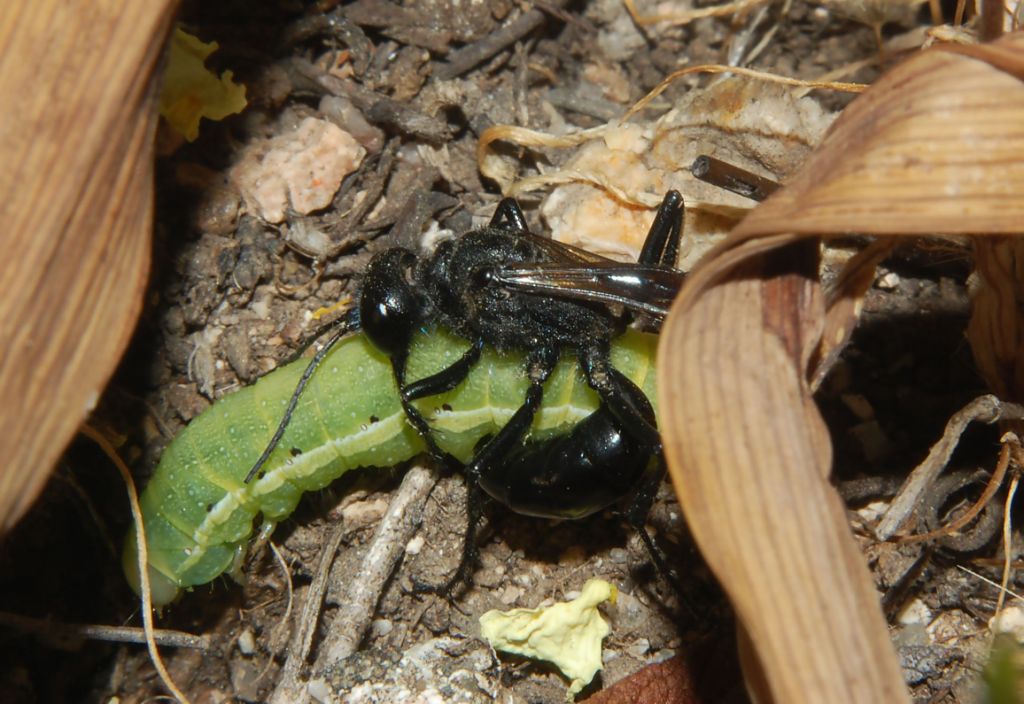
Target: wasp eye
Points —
{"points": [[482, 277]]}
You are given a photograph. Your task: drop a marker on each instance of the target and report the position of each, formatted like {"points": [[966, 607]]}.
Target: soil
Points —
{"points": [[231, 298]]}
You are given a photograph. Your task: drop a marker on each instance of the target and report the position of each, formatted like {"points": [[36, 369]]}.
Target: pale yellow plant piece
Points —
{"points": [[568, 634], [191, 91]]}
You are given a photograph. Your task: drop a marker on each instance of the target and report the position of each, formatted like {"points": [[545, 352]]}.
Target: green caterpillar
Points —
{"points": [[198, 511]]}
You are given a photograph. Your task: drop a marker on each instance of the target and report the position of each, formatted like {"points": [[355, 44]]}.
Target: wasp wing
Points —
{"points": [[567, 254], [646, 289]]}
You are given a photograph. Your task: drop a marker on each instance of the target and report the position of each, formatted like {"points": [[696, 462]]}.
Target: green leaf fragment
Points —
{"points": [[568, 634]]}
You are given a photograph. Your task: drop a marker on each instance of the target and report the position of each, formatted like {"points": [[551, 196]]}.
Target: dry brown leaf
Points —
{"points": [[750, 457], [996, 328], [668, 682], [707, 674], [933, 146], [77, 206]]}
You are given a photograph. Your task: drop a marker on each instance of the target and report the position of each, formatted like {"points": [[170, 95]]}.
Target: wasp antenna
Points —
{"points": [[348, 324]]}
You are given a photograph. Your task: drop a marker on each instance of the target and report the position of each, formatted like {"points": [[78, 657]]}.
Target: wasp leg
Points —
{"points": [[627, 402], [696, 597], [509, 216], [624, 399], [446, 379], [416, 418], [540, 364], [662, 242], [637, 513]]}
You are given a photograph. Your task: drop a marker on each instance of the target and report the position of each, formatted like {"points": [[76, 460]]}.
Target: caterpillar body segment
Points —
{"points": [[199, 512]]}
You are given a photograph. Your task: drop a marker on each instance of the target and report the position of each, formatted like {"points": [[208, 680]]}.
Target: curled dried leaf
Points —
{"points": [[77, 215], [933, 147], [996, 326]]}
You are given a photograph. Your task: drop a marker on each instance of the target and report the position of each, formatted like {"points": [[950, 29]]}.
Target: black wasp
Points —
{"points": [[505, 287]]}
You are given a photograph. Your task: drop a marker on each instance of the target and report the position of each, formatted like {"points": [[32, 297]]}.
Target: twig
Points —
{"points": [[462, 60], [677, 19], [958, 15], [986, 409], [143, 558], [991, 26], [403, 517], [732, 178], [740, 71], [378, 108], [1007, 531], [992, 583], [283, 622], [289, 689], [68, 636], [396, 528], [278, 637], [572, 99], [1008, 542], [994, 482]]}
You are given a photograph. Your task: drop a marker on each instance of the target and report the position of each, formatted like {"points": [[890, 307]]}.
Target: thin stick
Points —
{"points": [[958, 15], [732, 178], [991, 25], [282, 623], [740, 71], [465, 58], [400, 522], [994, 482], [289, 689], [1007, 538], [687, 16], [987, 409], [990, 582], [71, 634], [143, 559]]}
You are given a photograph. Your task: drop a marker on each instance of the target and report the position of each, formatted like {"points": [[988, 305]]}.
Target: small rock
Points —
{"points": [[888, 281], [247, 642], [639, 648], [510, 595], [917, 612], [381, 627], [618, 555], [414, 546], [301, 170], [1010, 620], [320, 691]]}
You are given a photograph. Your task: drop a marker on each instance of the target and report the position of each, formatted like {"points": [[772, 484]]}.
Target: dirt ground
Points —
{"points": [[231, 298]]}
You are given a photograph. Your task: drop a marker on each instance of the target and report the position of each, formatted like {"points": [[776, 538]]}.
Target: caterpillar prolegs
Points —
{"points": [[199, 513]]}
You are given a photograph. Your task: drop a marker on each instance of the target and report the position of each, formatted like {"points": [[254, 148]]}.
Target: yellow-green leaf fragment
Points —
{"points": [[568, 635], [191, 91]]}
